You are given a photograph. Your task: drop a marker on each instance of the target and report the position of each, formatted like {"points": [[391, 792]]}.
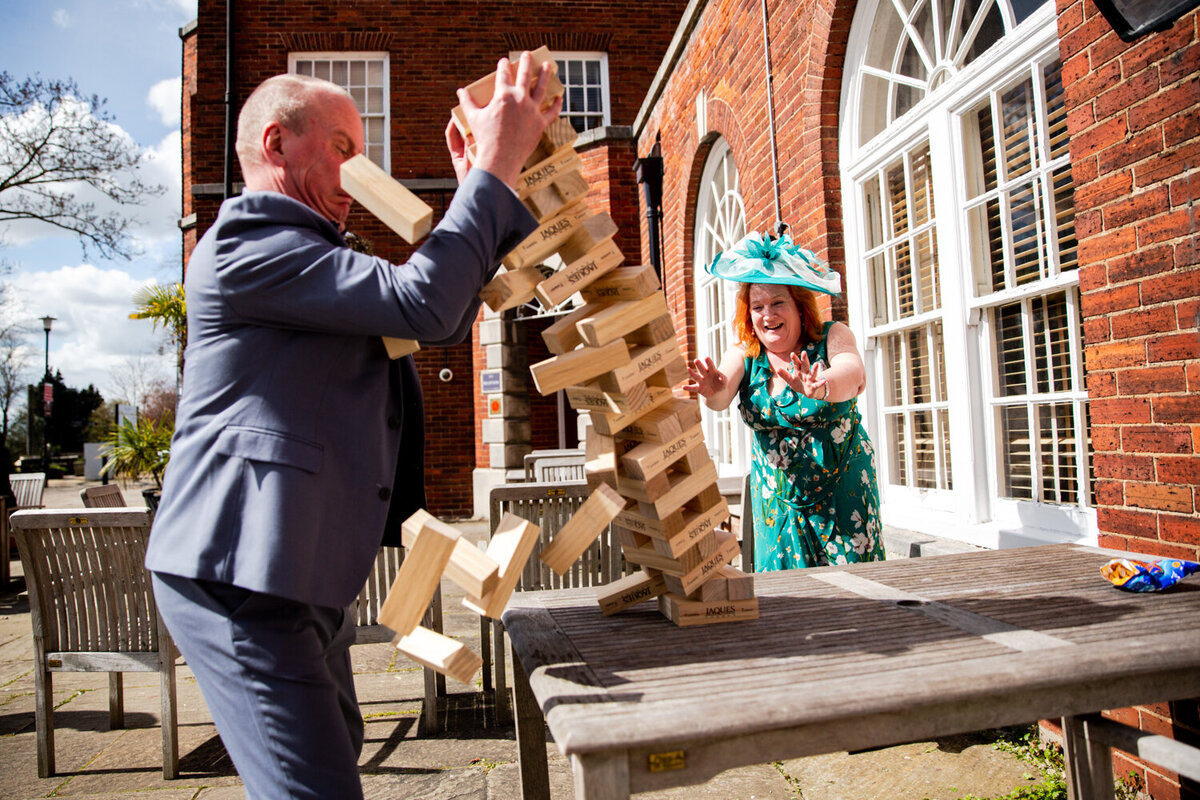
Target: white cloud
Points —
{"points": [[61, 18], [165, 98], [92, 334]]}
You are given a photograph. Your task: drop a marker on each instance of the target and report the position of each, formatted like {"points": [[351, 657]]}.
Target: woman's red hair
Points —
{"points": [[743, 328]]}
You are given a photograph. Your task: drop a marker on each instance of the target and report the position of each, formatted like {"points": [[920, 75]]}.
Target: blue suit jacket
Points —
{"points": [[290, 423]]}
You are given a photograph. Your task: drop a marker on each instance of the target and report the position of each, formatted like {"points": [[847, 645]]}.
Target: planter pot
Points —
{"points": [[151, 496]]}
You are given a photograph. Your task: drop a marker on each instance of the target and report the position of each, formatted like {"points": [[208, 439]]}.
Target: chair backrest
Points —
{"points": [[89, 591], [559, 469], [549, 506], [102, 496], [28, 488], [532, 458], [747, 526], [374, 592]]}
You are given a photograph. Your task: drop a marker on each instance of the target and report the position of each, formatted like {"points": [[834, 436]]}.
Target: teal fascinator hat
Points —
{"points": [[758, 258]]}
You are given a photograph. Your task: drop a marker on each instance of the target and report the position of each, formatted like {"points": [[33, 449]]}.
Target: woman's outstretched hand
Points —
{"points": [[806, 378], [707, 380]]}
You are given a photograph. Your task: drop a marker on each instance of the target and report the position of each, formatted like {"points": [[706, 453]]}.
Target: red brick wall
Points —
{"points": [[1134, 117]]}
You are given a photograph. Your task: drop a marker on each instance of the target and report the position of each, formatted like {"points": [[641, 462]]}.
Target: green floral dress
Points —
{"points": [[813, 486]]}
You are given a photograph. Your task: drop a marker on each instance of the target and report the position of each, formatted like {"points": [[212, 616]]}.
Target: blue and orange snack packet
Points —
{"points": [[1147, 576]]}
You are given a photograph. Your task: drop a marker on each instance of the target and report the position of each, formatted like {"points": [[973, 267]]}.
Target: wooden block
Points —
{"points": [[600, 465], [473, 571], [511, 288], [727, 549], [399, 348], [627, 283], [546, 172], [562, 336], [509, 547], [620, 318], [420, 573], [440, 653], [645, 490], [386, 198], [628, 538], [651, 458], [558, 134], [685, 613], [592, 232], [629, 591], [591, 397], [577, 274], [578, 366], [644, 554], [683, 488], [693, 461], [574, 538], [670, 376], [610, 424], [659, 329], [664, 423], [481, 91], [713, 590], [548, 238], [643, 363], [550, 200], [682, 529], [740, 584]]}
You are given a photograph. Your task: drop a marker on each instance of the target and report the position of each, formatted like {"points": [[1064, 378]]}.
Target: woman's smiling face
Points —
{"points": [[775, 317]]}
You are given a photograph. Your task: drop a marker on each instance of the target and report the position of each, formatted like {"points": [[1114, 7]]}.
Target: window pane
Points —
{"points": [[339, 74], [1010, 350], [1016, 474], [897, 469], [872, 205], [989, 33], [1056, 443], [1017, 112], [944, 429], [918, 352], [1024, 211], [358, 73], [1052, 347], [879, 288], [1064, 219], [927, 270], [593, 99], [924, 459], [593, 72]]}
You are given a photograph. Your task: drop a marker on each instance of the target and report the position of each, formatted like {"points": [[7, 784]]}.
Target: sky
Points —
{"points": [[129, 52]]}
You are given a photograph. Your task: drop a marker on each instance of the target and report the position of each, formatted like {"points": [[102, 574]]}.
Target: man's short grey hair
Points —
{"points": [[286, 99]]}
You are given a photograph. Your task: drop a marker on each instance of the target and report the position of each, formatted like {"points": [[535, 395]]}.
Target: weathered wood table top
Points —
{"points": [[841, 658]]}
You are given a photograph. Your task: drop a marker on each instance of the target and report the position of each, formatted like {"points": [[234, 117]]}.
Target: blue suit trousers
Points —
{"points": [[276, 676]]}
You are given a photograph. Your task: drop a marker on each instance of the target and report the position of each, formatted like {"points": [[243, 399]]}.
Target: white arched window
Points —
{"points": [[720, 223], [961, 265]]}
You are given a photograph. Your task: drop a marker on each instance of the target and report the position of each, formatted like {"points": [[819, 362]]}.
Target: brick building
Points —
{"points": [[1008, 188], [1010, 192], [404, 62]]}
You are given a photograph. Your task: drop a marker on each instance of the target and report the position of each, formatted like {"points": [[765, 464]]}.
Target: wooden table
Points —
{"points": [[843, 658]]}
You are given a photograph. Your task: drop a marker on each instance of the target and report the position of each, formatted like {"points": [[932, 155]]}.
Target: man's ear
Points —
{"points": [[272, 144]]}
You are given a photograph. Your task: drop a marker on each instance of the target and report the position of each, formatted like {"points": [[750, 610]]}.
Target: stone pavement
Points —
{"points": [[471, 759]]}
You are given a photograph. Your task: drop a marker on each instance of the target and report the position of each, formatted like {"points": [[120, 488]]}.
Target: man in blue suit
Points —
{"points": [[298, 441]]}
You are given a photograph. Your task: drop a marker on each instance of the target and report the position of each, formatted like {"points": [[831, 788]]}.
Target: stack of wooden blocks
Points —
{"points": [[616, 357]]}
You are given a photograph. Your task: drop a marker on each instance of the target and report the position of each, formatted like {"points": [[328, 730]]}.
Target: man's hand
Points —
{"points": [[508, 128]]}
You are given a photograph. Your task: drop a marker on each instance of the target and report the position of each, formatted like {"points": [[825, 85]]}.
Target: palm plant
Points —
{"points": [[138, 448], [165, 306]]}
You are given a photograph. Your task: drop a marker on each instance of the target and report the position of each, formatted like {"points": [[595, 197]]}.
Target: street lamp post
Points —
{"points": [[47, 321]]}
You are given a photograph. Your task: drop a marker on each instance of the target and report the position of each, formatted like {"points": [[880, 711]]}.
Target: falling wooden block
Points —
{"points": [[611, 424], [590, 397], [386, 198], [440, 653], [629, 591], [627, 283], [545, 173], [666, 422], [481, 91], [399, 348], [548, 238], [510, 547], [558, 134], [420, 573], [578, 274], [578, 366], [600, 464], [574, 538], [685, 613], [679, 530], [592, 232], [562, 336], [657, 330], [651, 458], [618, 319], [511, 288], [643, 363], [550, 200], [468, 567]]}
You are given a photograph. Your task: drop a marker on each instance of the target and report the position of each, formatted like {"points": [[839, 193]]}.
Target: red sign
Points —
{"points": [[47, 397]]}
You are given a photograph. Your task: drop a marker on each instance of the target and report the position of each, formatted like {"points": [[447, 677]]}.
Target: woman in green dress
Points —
{"points": [[813, 486]]}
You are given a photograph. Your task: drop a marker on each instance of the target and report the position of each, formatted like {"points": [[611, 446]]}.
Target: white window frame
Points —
{"points": [[716, 326], [386, 115], [585, 55], [972, 511]]}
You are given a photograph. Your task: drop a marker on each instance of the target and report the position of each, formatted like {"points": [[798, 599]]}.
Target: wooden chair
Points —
{"points": [[28, 488], [93, 610], [532, 458], [369, 631], [102, 496], [6, 549], [549, 506], [559, 469]]}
